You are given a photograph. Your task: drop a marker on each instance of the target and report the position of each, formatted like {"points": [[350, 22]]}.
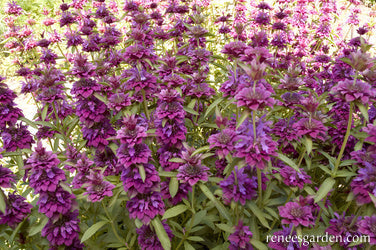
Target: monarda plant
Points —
{"points": [[184, 125]]}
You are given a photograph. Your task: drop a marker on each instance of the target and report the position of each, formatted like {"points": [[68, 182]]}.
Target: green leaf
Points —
{"points": [[101, 98], [161, 233], [28, 122], [188, 246], [192, 103], [92, 230], [288, 161], [167, 174], [222, 210], [244, 116], [259, 214], [174, 211], [202, 149], [191, 111], [373, 198], [346, 60], [258, 244], [195, 238], [36, 228], [3, 203], [308, 144], [219, 66], [363, 110], [15, 231], [141, 170], [212, 106], [44, 112], [324, 189], [177, 160], [225, 227], [173, 186]]}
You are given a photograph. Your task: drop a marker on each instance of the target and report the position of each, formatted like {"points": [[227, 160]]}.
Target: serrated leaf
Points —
{"points": [[324, 189], [212, 106], [259, 214], [308, 144], [92, 230], [191, 111], [38, 227], [3, 203], [174, 211], [177, 160], [101, 98], [44, 112], [173, 186], [222, 210], [161, 233], [195, 238], [202, 149], [28, 122], [258, 244], [141, 170], [288, 161], [225, 227], [188, 246], [363, 110], [244, 116]]}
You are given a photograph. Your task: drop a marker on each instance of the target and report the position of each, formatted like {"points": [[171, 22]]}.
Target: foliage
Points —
{"points": [[186, 125]]}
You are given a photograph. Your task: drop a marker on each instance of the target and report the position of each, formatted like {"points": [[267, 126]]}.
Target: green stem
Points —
{"points": [[113, 227], [145, 105], [254, 125], [349, 123], [259, 185]]}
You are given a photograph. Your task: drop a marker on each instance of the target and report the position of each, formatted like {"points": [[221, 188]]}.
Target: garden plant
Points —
{"points": [[187, 125]]}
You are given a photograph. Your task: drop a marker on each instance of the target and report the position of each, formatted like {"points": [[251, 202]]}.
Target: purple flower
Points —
{"points": [[192, 173], [46, 180], [52, 204], [367, 226], [15, 211], [137, 154], [292, 178], [97, 134], [365, 183], [13, 9], [63, 231], [240, 188], [90, 111], [132, 132], [148, 239], [119, 101], [96, 187], [230, 87], [240, 238], [17, 137], [262, 18], [82, 67], [256, 152], [312, 127], [165, 154], [6, 177], [344, 226], [172, 133], [371, 130], [133, 183], [146, 206], [354, 91], [48, 56], [85, 87], [296, 214], [41, 159], [254, 98], [66, 19], [283, 245], [234, 49], [223, 141]]}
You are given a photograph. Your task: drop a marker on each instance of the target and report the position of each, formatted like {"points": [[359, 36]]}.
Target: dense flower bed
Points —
{"points": [[177, 125]]}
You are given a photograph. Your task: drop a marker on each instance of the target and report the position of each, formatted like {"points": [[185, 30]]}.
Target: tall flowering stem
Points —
{"points": [[349, 123]]}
